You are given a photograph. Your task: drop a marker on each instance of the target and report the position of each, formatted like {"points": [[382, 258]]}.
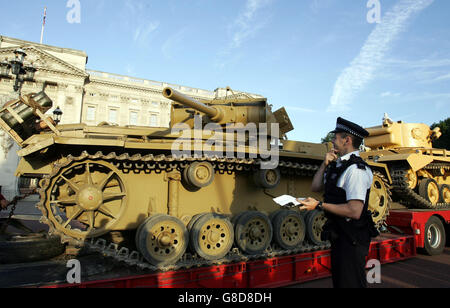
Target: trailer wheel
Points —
{"points": [[29, 248], [447, 232], [434, 236]]}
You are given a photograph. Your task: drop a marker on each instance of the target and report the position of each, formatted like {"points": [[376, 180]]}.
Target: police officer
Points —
{"points": [[346, 180]]}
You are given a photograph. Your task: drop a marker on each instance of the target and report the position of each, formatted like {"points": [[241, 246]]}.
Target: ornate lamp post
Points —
{"points": [[57, 114], [18, 68]]}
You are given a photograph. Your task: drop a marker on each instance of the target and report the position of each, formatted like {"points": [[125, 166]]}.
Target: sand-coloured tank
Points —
{"points": [[420, 174], [205, 183]]}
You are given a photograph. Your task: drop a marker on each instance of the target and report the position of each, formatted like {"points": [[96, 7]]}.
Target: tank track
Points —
{"points": [[408, 196], [129, 257], [125, 256]]}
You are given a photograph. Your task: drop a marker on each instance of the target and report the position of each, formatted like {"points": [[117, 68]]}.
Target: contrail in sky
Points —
{"points": [[245, 23], [362, 68]]}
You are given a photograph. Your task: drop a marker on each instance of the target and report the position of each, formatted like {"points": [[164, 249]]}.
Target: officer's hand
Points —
{"points": [[309, 204], [330, 157]]}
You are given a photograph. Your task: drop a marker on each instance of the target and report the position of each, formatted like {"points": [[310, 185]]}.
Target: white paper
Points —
{"points": [[286, 199]]}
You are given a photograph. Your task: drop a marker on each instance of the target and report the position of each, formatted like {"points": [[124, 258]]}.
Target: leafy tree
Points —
{"points": [[327, 138], [444, 141]]}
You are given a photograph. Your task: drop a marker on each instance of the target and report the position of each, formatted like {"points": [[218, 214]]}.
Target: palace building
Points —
{"points": [[88, 96]]}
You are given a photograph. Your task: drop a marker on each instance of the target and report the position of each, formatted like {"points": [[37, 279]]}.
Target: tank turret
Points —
{"points": [[233, 109], [399, 134]]}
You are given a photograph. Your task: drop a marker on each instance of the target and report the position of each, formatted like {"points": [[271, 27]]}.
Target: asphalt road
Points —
{"points": [[25, 209], [420, 272], [27, 213]]}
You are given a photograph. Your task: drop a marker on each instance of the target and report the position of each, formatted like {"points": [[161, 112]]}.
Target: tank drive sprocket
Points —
{"points": [[83, 199]]}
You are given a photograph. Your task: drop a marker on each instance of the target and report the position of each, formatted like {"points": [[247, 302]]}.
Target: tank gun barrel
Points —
{"points": [[214, 113]]}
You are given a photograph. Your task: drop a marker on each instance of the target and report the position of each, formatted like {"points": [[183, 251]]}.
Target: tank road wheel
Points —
{"points": [[199, 174], [267, 178], [444, 193], [138, 230], [379, 200], [429, 189], [162, 240], [211, 236], [315, 221], [253, 232], [288, 229], [85, 199]]}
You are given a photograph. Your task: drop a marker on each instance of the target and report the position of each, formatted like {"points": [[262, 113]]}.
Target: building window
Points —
{"points": [[134, 117], [91, 112], [153, 120], [112, 116]]}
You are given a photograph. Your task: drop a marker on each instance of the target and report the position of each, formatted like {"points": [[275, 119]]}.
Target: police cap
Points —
{"points": [[345, 126]]}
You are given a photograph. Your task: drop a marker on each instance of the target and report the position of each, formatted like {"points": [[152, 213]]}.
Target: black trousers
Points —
{"points": [[348, 263]]}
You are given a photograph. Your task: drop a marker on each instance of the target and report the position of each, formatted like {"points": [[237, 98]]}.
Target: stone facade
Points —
{"points": [[90, 96]]}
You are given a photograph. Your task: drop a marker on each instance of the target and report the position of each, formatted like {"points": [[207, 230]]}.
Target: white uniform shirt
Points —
{"points": [[354, 181]]}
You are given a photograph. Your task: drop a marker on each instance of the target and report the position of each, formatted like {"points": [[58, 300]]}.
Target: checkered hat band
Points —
{"points": [[348, 130]]}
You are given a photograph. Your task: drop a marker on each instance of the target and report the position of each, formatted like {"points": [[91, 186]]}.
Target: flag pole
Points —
{"points": [[43, 24]]}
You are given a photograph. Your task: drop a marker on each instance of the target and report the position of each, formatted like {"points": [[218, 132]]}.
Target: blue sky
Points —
{"points": [[319, 58]]}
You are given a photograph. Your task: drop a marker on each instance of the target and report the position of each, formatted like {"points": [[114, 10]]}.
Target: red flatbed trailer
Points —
{"points": [[413, 227], [269, 273], [430, 228]]}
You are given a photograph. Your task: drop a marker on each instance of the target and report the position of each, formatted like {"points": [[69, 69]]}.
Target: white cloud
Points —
{"points": [[425, 71], [426, 63], [173, 43], [361, 70], [443, 77], [138, 20], [245, 26], [390, 94], [143, 31]]}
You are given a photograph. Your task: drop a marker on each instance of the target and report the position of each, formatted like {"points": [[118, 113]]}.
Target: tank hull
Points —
{"points": [[199, 188]]}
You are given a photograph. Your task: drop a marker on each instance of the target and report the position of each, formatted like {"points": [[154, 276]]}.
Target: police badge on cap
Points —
{"points": [[344, 126]]}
